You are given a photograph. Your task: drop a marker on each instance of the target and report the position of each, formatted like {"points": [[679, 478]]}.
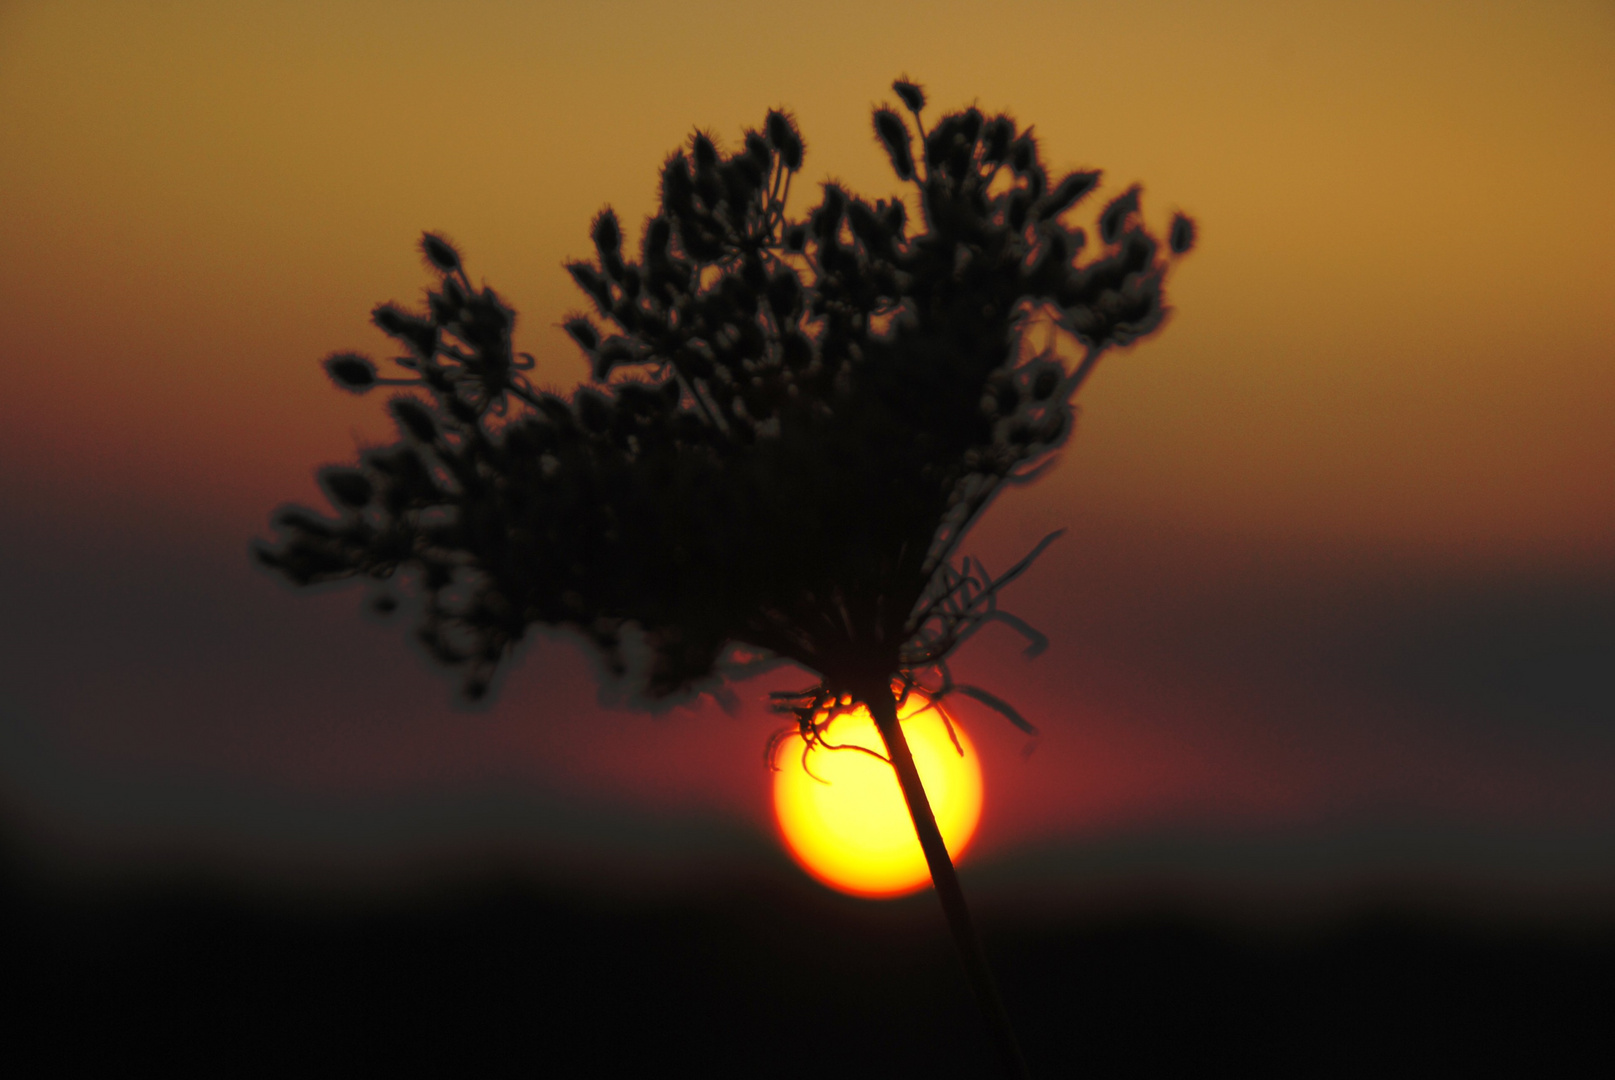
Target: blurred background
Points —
{"points": [[1327, 762]]}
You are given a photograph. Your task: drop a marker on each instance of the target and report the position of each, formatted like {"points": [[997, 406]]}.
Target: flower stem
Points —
{"points": [[883, 707]]}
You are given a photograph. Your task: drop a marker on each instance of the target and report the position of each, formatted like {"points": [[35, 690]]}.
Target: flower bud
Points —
{"points": [[1023, 153], [995, 147], [940, 141], [895, 215], [1182, 236], [347, 487], [678, 189], [657, 235], [868, 227], [583, 332], [894, 136], [785, 138], [1115, 214], [350, 371], [913, 95], [420, 334], [704, 151], [1067, 192], [1019, 205], [827, 218], [970, 122], [413, 418], [758, 150], [605, 232], [590, 281], [440, 253]]}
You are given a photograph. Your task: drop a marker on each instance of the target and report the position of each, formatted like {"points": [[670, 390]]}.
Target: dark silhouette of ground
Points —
{"points": [[761, 977]]}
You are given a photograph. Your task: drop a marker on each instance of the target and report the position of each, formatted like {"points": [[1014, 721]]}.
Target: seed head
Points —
{"points": [[678, 189], [351, 371], [657, 234], [347, 487], [440, 253], [1182, 236], [1023, 153], [420, 334], [970, 122], [605, 232], [913, 95], [758, 150], [583, 332], [867, 227], [1116, 214], [827, 219], [413, 418], [590, 281], [896, 216], [704, 151], [1000, 130], [893, 135], [1067, 192], [785, 138]]}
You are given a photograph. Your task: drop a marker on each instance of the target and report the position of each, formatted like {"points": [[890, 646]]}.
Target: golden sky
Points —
{"points": [[1399, 326]]}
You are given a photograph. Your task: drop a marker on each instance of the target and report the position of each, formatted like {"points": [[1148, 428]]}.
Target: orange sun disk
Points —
{"points": [[849, 828]]}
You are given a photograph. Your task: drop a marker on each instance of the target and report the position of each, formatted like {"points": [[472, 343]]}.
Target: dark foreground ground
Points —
{"points": [[764, 978]]}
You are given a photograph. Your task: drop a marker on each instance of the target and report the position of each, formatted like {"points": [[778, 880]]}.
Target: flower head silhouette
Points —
{"points": [[790, 424]]}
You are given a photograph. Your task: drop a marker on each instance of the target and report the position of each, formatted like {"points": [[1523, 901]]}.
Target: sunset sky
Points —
{"points": [[1338, 591]]}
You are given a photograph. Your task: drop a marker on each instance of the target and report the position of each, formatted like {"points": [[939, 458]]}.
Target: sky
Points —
{"points": [[1337, 594]]}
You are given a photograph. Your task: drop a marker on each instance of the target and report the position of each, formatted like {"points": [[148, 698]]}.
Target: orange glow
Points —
{"points": [[849, 828], [1395, 329]]}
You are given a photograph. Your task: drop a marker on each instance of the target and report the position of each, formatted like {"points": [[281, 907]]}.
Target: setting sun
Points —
{"points": [[849, 827]]}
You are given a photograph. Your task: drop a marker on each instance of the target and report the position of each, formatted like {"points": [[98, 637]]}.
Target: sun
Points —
{"points": [[849, 828]]}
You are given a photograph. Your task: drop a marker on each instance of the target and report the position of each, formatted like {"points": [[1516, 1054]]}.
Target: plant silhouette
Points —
{"points": [[791, 424]]}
